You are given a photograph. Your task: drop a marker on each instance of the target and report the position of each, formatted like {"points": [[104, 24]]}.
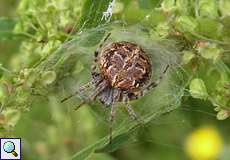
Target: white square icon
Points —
{"points": [[10, 149]]}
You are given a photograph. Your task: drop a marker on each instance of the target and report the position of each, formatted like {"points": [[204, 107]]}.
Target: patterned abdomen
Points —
{"points": [[125, 65]]}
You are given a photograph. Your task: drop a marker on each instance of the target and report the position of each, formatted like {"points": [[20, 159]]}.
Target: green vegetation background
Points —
{"points": [[30, 84]]}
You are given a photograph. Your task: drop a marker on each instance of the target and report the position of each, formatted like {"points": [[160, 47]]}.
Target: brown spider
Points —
{"points": [[124, 75]]}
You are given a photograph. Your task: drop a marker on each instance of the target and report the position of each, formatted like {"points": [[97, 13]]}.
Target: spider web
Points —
{"points": [[78, 54]]}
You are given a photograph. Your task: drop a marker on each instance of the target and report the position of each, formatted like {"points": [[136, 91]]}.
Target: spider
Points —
{"points": [[121, 72], [108, 13]]}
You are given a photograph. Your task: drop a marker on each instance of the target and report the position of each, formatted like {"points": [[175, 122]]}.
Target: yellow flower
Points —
{"points": [[204, 143]]}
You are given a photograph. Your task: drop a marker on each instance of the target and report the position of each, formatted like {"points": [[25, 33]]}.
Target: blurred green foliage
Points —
{"points": [[39, 65]]}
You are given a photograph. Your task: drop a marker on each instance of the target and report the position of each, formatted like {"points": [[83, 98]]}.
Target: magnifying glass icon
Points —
{"points": [[9, 147]]}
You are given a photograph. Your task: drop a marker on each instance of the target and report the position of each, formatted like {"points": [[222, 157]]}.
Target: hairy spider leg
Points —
{"points": [[96, 53], [113, 113], [152, 84], [100, 86], [79, 90], [130, 110], [111, 119]]}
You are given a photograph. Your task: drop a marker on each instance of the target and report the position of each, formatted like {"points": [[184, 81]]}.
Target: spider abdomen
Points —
{"points": [[125, 65]]}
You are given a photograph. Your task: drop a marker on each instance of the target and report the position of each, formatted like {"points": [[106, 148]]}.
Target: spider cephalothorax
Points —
{"points": [[121, 72]]}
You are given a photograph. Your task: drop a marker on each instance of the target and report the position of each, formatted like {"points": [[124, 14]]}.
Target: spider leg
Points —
{"points": [[95, 81], [156, 83], [80, 90], [105, 39], [117, 94], [94, 65], [111, 119], [96, 53], [130, 111], [99, 88]]}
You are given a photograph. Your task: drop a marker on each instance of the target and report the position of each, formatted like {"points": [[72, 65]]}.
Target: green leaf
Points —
{"points": [[148, 4], [182, 6], [139, 13], [222, 114], [224, 7], [48, 77], [197, 89], [210, 51], [188, 56], [11, 117], [186, 24], [209, 28], [208, 8], [223, 69], [220, 96], [118, 141], [162, 29], [168, 5], [118, 8], [102, 156]]}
